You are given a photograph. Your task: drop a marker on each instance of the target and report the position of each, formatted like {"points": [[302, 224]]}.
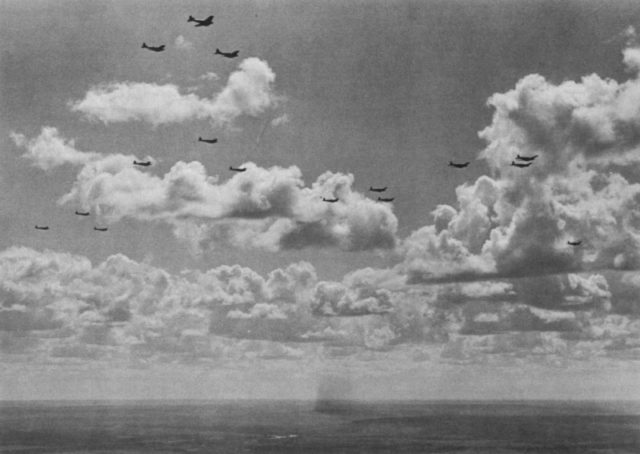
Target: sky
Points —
{"points": [[213, 284]]}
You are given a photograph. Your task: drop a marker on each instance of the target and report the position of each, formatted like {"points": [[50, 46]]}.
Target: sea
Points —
{"points": [[320, 427]]}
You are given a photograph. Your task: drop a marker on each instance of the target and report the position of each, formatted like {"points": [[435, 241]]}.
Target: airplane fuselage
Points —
{"points": [[377, 189], [237, 169], [526, 158], [228, 54], [330, 200], [152, 48], [383, 199], [143, 164]]}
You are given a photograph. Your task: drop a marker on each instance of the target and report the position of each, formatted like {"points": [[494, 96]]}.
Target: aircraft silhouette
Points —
{"points": [[200, 139], [80, 213], [46, 227], [372, 189], [459, 166], [382, 199], [152, 48], [520, 164], [237, 169], [227, 54], [201, 23], [140, 163], [330, 200], [574, 243], [100, 229], [527, 158]]}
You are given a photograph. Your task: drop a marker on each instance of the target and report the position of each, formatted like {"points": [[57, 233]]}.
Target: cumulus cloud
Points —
{"points": [[50, 150], [249, 91], [183, 43], [265, 208], [516, 223], [61, 306], [281, 120]]}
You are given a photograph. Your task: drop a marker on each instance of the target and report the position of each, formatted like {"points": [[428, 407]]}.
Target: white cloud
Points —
{"points": [[281, 120], [265, 208], [517, 223], [209, 76], [183, 43], [249, 91], [50, 150], [57, 305]]}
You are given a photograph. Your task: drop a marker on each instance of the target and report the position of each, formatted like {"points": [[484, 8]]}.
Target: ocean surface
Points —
{"points": [[319, 427]]}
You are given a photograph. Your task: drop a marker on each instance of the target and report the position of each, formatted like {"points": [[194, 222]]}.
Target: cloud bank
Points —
{"points": [[60, 307]]}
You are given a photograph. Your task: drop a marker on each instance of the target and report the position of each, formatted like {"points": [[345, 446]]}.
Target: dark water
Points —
{"points": [[328, 427]]}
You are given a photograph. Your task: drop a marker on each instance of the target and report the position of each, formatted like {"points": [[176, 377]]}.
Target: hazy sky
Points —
{"points": [[210, 283]]}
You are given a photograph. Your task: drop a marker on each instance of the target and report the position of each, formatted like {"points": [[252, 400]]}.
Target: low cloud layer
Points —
{"points": [[248, 91], [58, 306]]}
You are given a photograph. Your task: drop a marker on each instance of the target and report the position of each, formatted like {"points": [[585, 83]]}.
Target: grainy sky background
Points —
{"points": [[210, 284]]}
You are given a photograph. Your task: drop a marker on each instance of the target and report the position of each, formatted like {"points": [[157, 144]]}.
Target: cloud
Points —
{"points": [[264, 208], [58, 306], [249, 91], [209, 76], [183, 43], [50, 150], [516, 223], [281, 120]]}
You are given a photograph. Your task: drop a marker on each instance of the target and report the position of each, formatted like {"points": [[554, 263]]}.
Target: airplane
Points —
{"points": [[330, 200], [527, 158], [140, 163], [574, 243], [46, 227], [459, 166], [519, 164], [100, 229], [227, 54], [200, 139], [237, 169], [80, 213], [382, 199], [371, 188], [201, 23], [155, 49]]}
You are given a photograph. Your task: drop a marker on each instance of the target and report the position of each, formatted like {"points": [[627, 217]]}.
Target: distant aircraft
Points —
{"points": [[520, 164], [201, 23], [80, 213], [372, 189], [459, 166], [152, 48], [527, 158], [237, 169], [100, 229], [574, 243], [46, 227], [330, 200], [227, 54], [140, 163], [200, 139], [382, 199]]}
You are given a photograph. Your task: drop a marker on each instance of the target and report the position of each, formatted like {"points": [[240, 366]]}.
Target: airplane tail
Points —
{"points": [[191, 19], [144, 45], [218, 51]]}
